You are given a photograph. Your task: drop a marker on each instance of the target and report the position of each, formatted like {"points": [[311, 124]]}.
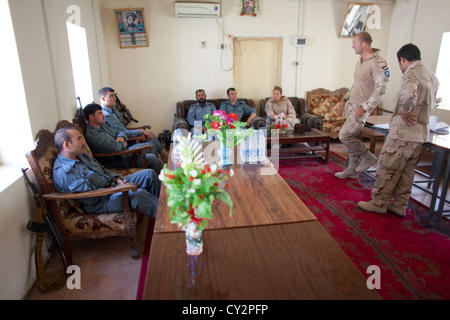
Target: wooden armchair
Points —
{"points": [[80, 124], [325, 104], [72, 222]]}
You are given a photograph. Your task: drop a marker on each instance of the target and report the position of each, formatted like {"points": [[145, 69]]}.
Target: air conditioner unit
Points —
{"points": [[197, 9]]}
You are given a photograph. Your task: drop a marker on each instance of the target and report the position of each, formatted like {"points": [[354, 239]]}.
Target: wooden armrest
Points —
{"points": [[147, 127], [137, 138], [125, 152], [90, 194]]}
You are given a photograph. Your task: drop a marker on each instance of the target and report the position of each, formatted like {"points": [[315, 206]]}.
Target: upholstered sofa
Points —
{"points": [[182, 110], [301, 111], [325, 104]]}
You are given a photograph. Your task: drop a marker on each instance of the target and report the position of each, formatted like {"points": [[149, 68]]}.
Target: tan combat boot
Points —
{"points": [[367, 160], [369, 207], [349, 172], [398, 211]]}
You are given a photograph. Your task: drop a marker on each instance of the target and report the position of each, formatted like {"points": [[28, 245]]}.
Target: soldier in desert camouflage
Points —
{"points": [[371, 78], [409, 126]]}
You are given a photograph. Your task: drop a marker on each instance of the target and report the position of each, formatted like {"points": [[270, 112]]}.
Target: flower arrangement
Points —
{"points": [[222, 123], [193, 187], [280, 122]]}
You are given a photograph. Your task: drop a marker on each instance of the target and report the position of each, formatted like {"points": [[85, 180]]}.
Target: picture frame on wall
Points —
{"points": [[355, 18], [249, 8], [131, 29]]}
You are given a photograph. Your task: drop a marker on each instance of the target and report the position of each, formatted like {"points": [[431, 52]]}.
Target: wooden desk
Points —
{"points": [[282, 261], [440, 144], [322, 141]]}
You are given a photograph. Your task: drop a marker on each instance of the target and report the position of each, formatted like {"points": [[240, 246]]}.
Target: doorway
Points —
{"points": [[257, 67]]}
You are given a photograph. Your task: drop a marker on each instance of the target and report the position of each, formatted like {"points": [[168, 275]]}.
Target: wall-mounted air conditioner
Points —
{"points": [[197, 9]]}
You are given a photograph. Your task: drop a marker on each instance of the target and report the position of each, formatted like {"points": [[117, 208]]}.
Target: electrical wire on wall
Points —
{"points": [[222, 45]]}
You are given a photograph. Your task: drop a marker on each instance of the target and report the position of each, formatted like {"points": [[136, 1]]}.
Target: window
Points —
{"points": [[15, 130], [80, 62], [443, 72]]}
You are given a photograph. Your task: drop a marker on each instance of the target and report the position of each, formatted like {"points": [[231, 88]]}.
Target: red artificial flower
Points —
{"points": [[233, 116], [278, 126], [231, 126], [215, 125], [191, 179], [198, 221], [285, 125], [200, 196]]}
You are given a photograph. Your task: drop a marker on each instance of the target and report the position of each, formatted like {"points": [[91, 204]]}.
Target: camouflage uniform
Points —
{"points": [[369, 88], [401, 151]]}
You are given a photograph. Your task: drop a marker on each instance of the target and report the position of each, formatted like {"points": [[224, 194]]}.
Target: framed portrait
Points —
{"points": [[249, 8], [355, 18], [131, 28]]}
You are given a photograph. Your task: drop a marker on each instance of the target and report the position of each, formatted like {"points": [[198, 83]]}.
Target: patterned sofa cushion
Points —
{"points": [[325, 104], [327, 107]]}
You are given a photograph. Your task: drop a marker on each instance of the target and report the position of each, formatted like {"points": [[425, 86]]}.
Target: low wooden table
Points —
{"points": [[257, 200], [317, 137]]}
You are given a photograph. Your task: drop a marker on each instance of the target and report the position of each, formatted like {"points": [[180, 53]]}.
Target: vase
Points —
{"points": [[225, 154], [194, 239]]}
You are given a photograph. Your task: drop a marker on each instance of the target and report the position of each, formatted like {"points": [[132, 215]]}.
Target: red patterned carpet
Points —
{"points": [[414, 259]]}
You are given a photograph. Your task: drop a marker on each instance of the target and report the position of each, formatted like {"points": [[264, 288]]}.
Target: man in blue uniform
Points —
{"points": [[75, 171]]}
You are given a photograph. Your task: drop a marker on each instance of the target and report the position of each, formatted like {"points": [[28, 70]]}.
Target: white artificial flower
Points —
{"points": [[193, 173], [191, 190], [161, 175], [231, 172], [197, 182], [213, 168]]}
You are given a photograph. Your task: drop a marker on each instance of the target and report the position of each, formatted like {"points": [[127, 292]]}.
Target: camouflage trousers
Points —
{"points": [[395, 172], [351, 133]]}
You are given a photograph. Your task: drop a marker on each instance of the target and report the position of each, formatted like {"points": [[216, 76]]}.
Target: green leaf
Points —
{"points": [[204, 210], [224, 196]]}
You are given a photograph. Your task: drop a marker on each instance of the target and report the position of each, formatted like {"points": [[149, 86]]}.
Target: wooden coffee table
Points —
{"points": [[316, 140]]}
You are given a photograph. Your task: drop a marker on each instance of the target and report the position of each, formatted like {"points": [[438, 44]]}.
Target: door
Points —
{"points": [[257, 67]]}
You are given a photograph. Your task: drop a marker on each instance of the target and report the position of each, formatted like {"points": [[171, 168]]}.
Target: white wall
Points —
{"points": [[432, 21]]}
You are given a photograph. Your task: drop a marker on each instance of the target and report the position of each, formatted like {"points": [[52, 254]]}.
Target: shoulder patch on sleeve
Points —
{"points": [[386, 72]]}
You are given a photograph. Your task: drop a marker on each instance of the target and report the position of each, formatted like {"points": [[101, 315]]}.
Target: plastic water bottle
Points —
{"points": [[176, 148], [261, 147], [268, 122]]}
